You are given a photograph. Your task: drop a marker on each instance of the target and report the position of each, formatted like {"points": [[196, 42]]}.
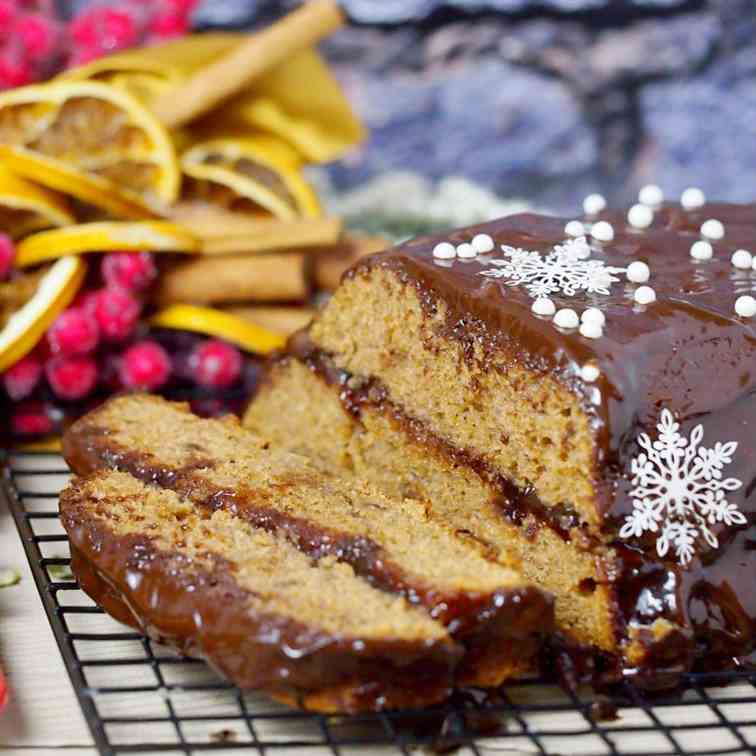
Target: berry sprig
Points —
{"points": [[98, 346], [101, 29], [36, 42]]}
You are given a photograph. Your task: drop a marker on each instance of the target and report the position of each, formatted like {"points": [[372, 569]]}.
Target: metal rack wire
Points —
{"points": [[139, 697]]}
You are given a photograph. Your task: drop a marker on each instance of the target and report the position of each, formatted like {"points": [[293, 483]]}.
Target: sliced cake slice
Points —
{"points": [[392, 544], [310, 633]]}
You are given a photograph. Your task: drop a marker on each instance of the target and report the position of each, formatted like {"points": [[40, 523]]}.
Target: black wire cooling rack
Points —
{"points": [[139, 697]]}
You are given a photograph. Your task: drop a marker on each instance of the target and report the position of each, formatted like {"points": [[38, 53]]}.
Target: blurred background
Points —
{"points": [[538, 100]]}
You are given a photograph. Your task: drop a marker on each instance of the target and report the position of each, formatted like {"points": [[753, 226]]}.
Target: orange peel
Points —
{"points": [[26, 207], [105, 236], [261, 169], [27, 325], [222, 325]]}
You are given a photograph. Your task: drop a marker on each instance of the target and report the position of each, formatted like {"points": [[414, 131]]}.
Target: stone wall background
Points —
{"points": [[547, 100]]}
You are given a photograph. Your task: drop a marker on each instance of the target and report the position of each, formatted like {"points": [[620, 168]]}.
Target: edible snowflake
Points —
{"points": [[679, 490], [565, 269]]}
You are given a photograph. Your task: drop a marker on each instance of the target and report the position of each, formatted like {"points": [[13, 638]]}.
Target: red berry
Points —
{"points": [[169, 25], [36, 34], [7, 255], [132, 271], [145, 366], [74, 331], [71, 378], [3, 692], [86, 300], [15, 71], [83, 56], [185, 7], [104, 29], [8, 11], [117, 313], [31, 419], [21, 379], [216, 364]]}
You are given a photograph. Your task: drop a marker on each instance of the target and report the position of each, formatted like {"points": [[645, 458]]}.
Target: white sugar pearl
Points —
{"points": [[574, 228], [589, 373], [640, 216], [602, 231], [745, 306], [593, 204], [566, 318], [591, 330], [651, 195], [466, 251], [742, 259], [581, 248], [482, 243], [593, 315], [692, 198], [543, 306], [638, 272], [444, 251], [712, 229], [701, 250], [644, 295]]}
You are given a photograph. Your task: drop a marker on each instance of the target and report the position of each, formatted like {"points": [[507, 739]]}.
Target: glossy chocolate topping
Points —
{"points": [[687, 352]]}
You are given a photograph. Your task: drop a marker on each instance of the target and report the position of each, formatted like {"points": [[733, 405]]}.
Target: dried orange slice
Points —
{"points": [[106, 236], [93, 190], [222, 325], [26, 207], [250, 174], [26, 326], [91, 140], [300, 101]]}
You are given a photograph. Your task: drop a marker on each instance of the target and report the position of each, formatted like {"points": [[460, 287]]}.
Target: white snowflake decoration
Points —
{"points": [[564, 270], [679, 491]]}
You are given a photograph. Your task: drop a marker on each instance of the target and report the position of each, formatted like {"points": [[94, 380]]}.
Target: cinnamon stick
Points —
{"points": [[259, 54], [235, 278], [283, 320], [330, 264], [223, 231]]}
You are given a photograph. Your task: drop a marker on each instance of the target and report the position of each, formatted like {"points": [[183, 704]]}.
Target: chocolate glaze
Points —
{"points": [[502, 625], [687, 352], [204, 612]]}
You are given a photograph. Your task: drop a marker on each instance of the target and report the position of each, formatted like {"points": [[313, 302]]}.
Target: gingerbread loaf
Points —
{"points": [[585, 403], [479, 617]]}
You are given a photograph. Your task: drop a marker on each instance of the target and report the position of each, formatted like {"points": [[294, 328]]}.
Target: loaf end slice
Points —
{"points": [[267, 616]]}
